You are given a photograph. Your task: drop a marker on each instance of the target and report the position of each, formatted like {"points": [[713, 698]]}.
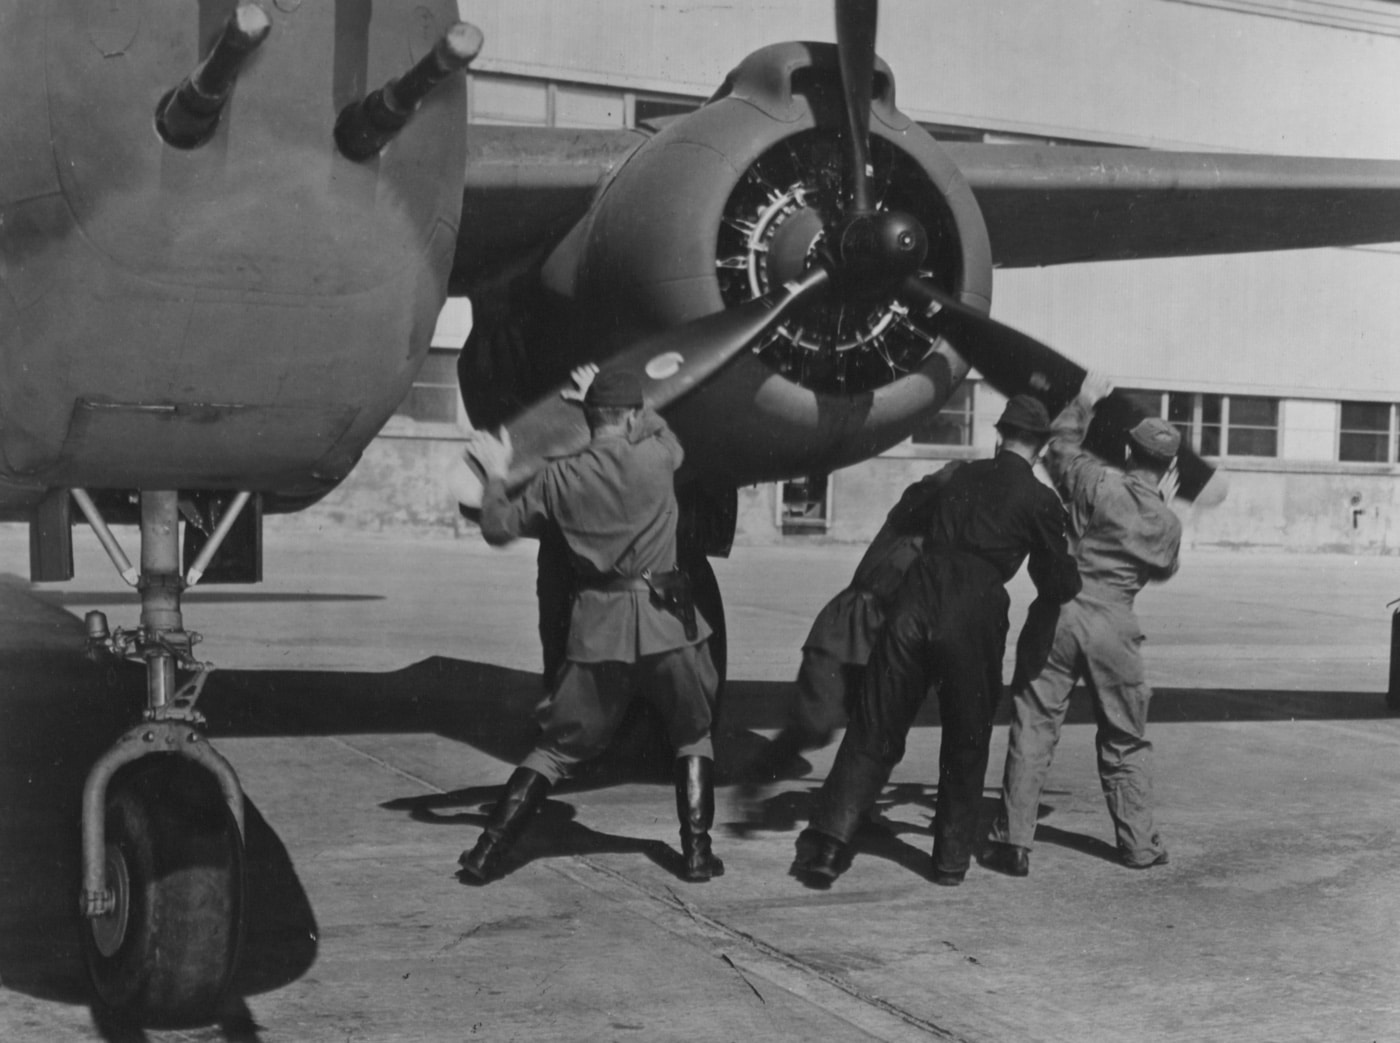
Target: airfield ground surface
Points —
{"points": [[375, 691]]}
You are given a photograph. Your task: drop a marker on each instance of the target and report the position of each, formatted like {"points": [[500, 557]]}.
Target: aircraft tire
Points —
{"points": [[166, 955]]}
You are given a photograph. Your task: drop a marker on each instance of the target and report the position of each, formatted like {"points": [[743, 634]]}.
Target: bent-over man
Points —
{"points": [[1125, 535], [613, 504], [838, 646], [948, 628]]}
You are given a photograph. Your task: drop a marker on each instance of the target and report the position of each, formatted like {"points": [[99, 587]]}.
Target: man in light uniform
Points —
{"points": [[1124, 534], [613, 505]]}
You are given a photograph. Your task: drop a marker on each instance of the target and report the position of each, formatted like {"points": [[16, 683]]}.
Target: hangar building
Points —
{"points": [[1282, 367]]}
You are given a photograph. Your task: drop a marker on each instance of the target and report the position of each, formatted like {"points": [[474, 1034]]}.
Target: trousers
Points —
{"points": [[947, 631], [579, 717], [1098, 640]]}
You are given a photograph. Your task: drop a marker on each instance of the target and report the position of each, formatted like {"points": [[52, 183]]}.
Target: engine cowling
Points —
{"points": [[739, 197]]}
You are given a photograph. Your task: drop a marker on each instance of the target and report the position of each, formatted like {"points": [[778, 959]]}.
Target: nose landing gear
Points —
{"points": [[163, 860]]}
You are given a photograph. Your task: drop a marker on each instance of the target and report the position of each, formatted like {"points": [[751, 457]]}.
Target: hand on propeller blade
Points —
{"points": [[1017, 364], [1170, 483], [583, 380], [492, 456], [670, 364], [1095, 388]]}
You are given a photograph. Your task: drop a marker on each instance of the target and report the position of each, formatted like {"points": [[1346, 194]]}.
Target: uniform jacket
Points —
{"points": [[846, 628], [1123, 533], [614, 504], [998, 511]]}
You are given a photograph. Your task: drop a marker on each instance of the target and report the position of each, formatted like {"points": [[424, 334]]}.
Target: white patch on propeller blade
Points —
{"points": [[665, 365]]}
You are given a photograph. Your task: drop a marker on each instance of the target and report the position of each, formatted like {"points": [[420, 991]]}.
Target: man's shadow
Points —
{"points": [[879, 835]]}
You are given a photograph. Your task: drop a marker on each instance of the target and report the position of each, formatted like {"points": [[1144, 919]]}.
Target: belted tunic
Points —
{"points": [[614, 505]]}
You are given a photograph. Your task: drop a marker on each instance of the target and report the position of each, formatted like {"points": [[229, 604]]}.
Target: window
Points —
{"points": [[658, 107], [951, 425], [1252, 426], [805, 504], [1225, 425], [1365, 435], [497, 99], [434, 397]]}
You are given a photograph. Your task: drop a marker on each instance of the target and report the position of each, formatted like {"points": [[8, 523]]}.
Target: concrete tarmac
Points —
{"points": [[374, 692]]}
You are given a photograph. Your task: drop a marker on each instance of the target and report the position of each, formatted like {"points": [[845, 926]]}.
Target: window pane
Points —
{"points": [[1210, 409], [1210, 440], [433, 396], [1179, 407], [440, 367], [1363, 448], [508, 101], [952, 425], [583, 107], [438, 404], [1253, 412], [1148, 402], [1253, 441], [1366, 416], [805, 503], [646, 109]]}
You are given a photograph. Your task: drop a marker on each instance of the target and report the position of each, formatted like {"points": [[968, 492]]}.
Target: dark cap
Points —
{"points": [[1025, 413], [615, 388], [1156, 438]]}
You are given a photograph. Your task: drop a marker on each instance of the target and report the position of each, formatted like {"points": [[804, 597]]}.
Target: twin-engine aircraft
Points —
{"points": [[227, 229]]}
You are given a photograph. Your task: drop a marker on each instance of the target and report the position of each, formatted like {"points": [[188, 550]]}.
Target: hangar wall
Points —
{"points": [[1306, 341]]}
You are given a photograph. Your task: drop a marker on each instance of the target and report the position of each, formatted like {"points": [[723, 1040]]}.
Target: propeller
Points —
{"points": [[855, 44], [670, 364], [1015, 364]]}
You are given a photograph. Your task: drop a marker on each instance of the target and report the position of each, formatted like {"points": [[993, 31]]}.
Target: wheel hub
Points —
{"points": [[109, 929]]}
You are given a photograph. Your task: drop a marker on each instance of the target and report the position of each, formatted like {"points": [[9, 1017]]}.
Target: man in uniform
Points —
{"points": [[843, 635], [1125, 534], [948, 628], [613, 505]]}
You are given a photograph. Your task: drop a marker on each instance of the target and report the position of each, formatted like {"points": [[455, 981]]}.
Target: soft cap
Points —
{"points": [[616, 388], [1156, 438], [1026, 413]]}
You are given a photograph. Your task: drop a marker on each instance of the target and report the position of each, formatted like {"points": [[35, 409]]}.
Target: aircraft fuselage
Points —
{"points": [[243, 314]]}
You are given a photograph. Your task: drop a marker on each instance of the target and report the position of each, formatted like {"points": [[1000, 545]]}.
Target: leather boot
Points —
{"points": [[820, 858], [524, 792], [695, 804]]}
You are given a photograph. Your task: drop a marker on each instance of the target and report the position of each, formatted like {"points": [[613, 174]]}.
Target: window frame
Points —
{"points": [[1392, 437]]}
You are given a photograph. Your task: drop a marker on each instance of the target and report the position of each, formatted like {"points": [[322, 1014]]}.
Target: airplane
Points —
{"points": [[222, 256]]}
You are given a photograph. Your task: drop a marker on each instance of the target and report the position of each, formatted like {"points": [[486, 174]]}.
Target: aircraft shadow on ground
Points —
{"points": [[58, 713]]}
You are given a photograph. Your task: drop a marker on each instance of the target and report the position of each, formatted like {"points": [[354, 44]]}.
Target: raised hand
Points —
{"points": [[583, 379]]}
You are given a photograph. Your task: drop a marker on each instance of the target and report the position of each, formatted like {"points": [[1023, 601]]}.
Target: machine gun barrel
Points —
{"points": [[364, 127], [186, 116]]}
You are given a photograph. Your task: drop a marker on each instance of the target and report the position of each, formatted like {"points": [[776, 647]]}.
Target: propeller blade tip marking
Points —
{"points": [[667, 364]]}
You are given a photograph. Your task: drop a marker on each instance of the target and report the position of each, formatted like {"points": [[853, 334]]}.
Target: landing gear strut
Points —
{"points": [[162, 898]]}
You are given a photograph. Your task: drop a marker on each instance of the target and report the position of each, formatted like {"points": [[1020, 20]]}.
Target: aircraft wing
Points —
{"points": [[525, 187], [1056, 205]]}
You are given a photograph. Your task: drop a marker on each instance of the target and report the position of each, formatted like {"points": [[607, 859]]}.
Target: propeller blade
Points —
{"points": [[670, 364], [1017, 364], [855, 43]]}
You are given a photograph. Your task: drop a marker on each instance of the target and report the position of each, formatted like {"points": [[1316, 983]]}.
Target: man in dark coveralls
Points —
{"points": [[613, 504], [839, 644], [948, 628], [1125, 535]]}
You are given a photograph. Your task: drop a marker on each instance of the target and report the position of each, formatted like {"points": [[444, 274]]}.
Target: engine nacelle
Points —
{"points": [[736, 198]]}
